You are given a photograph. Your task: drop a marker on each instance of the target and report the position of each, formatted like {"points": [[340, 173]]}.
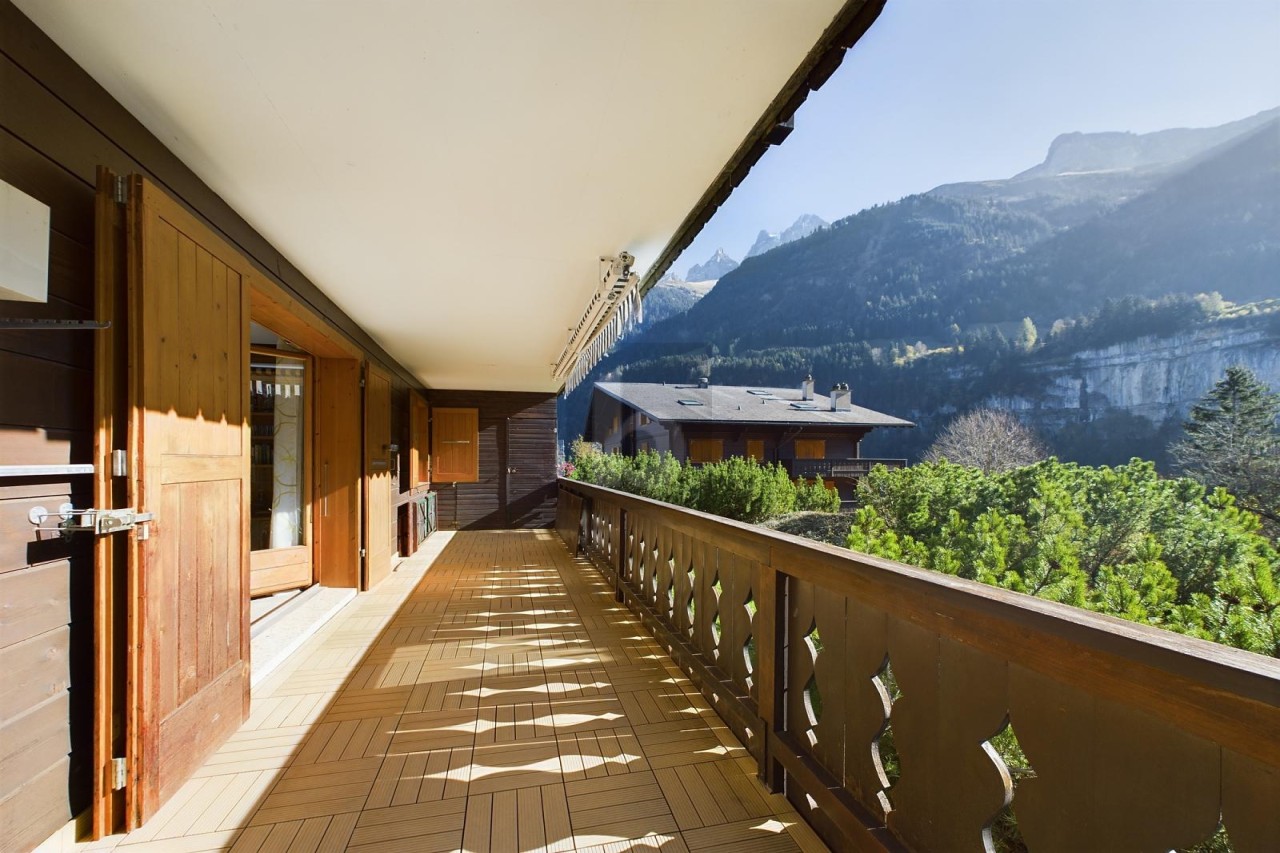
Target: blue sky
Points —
{"points": [[955, 90]]}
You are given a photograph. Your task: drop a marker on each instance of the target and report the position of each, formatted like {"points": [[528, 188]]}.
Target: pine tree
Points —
{"points": [[1233, 440]]}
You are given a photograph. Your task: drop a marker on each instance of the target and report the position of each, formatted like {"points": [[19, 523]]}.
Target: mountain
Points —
{"points": [[672, 296], [1086, 174], [715, 267], [914, 269], [801, 228], [1083, 153], [1014, 291]]}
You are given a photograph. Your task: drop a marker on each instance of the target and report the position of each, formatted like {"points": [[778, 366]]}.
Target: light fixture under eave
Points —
{"points": [[615, 308]]}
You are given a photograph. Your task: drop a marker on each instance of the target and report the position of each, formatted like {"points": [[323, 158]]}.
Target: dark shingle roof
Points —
{"points": [[739, 404]]}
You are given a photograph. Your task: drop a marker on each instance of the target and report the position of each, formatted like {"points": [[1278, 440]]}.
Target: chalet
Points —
{"points": [[812, 435], [287, 293]]}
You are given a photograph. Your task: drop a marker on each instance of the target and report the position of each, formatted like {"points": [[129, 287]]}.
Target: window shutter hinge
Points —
{"points": [[119, 773], [122, 189], [362, 553], [361, 381]]}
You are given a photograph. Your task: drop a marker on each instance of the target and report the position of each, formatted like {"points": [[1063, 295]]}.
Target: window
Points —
{"points": [[455, 445], [811, 448], [706, 449], [613, 428], [279, 385], [644, 420], [755, 449]]}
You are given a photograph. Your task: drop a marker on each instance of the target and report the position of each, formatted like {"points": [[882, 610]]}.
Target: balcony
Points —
{"points": [[829, 469], [491, 694], [1134, 738]]}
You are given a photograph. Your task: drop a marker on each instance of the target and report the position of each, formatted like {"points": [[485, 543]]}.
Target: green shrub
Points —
{"points": [[1122, 541], [736, 488]]}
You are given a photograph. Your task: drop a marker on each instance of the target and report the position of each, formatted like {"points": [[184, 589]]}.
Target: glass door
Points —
{"points": [[279, 517]]}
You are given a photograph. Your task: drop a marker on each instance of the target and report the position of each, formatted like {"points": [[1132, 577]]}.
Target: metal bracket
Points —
{"points": [[119, 773], [100, 522]]}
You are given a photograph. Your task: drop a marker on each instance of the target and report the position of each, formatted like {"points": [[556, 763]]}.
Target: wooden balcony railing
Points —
{"points": [[812, 469], [1135, 738]]}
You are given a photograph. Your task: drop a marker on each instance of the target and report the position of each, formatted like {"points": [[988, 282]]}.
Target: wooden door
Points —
{"points": [[379, 512], [189, 442], [339, 463], [530, 464]]}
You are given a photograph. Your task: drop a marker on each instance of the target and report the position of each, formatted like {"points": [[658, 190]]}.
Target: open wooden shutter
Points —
{"points": [[189, 442], [455, 445], [379, 513]]}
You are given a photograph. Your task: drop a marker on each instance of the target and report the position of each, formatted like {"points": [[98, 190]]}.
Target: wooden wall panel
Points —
{"points": [[484, 505]]}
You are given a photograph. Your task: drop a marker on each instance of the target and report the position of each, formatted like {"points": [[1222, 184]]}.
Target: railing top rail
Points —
{"points": [[1218, 692]]}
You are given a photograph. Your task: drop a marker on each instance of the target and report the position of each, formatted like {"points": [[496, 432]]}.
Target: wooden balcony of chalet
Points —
{"points": [[491, 694], [675, 681], [827, 469], [1134, 738]]}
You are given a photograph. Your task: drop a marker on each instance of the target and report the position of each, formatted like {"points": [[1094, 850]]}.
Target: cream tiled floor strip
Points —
{"points": [[490, 695]]}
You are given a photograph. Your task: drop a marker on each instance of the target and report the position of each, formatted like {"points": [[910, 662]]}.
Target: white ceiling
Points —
{"points": [[449, 172]]}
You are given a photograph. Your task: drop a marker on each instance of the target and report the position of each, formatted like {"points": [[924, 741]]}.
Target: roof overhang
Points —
{"points": [[450, 173]]}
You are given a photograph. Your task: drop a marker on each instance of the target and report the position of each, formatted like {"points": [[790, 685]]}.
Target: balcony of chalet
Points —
{"points": [[648, 677], [843, 469], [492, 694]]}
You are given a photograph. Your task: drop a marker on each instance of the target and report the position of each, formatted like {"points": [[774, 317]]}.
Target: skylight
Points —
{"points": [[691, 402], [759, 393], [806, 407]]}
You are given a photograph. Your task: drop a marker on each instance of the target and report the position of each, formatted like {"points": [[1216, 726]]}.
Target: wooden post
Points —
{"points": [[621, 565], [771, 652]]}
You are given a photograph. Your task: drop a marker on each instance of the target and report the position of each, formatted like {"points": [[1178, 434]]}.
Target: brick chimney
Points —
{"points": [[841, 397], [806, 388]]}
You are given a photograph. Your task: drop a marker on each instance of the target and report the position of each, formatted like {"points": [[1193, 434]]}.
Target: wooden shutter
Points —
{"points": [[419, 447], [706, 449], [380, 514], [811, 448], [755, 449], [187, 600], [455, 445]]}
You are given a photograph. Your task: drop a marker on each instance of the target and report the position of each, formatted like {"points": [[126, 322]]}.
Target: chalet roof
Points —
{"points": [[739, 404]]}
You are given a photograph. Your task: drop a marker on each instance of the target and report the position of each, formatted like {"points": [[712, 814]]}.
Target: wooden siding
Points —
{"points": [[517, 430], [56, 127]]}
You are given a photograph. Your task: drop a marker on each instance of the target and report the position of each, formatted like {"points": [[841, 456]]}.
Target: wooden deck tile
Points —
{"points": [[489, 695]]}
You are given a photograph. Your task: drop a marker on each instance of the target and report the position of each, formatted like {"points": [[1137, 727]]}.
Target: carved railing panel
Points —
{"points": [[904, 708]]}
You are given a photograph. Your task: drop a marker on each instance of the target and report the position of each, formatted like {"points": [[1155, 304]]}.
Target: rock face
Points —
{"points": [[801, 228], [1155, 378], [716, 266], [1076, 153]]}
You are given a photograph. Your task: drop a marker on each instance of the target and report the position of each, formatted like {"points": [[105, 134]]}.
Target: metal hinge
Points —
{"points": [[362, 553], [361, 381], [119, 463], [119, 773], [122, 189]]}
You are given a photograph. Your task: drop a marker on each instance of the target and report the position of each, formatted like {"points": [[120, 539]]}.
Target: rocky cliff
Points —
{"points": [[1155, 378]]}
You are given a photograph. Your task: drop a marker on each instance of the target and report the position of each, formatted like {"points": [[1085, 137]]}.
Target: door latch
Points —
{"points": [[99, 522]]}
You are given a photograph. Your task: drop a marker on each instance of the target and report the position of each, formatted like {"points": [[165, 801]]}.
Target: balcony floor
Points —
{"points": [[490, 695]]}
